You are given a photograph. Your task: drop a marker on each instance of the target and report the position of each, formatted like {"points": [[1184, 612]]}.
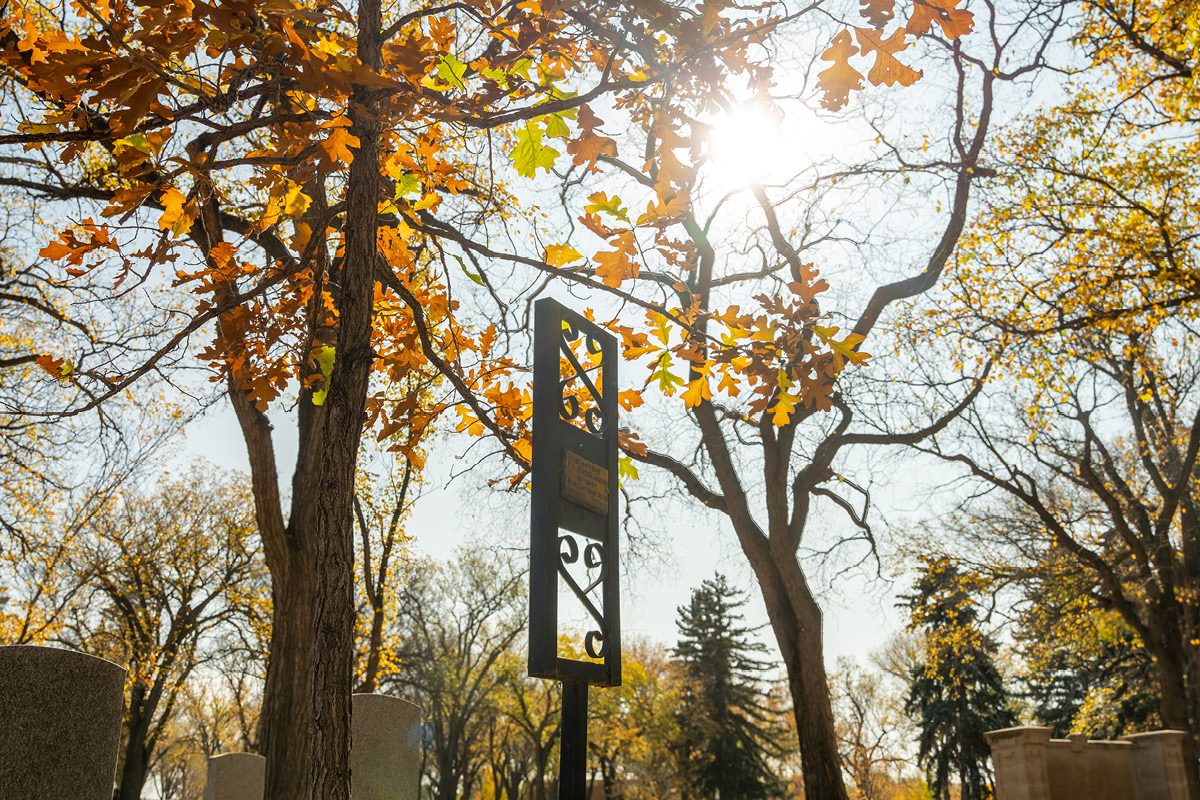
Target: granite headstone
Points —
{"points": [[385, 749], [60, 723], [236, 776]]}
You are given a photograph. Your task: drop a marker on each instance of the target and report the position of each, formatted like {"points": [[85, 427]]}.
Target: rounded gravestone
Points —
{"points": [[385, 748], [60, 723], [236, 776]]}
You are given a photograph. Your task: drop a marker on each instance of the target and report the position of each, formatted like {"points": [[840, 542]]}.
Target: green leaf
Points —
{"points": [[666, 381], [556, 128], [602, 202], [451, 71], [135, 140], [407, 184], [530, 154], [477, 278]]}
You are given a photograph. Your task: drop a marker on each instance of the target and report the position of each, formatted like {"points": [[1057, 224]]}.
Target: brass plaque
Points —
{"points": [[585, 483]]}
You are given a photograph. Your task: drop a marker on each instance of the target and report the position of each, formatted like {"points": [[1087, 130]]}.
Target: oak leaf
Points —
{"points": [[839, 80], [697, 391], [530, 154], [877, 12], [955, 22], [60, 368], [558, 255], [336, 148], [600, 202], [172, 200], [888, 70], [588, 148]]}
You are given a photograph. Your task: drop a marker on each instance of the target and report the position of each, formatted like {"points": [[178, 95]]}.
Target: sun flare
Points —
{"points": [[745, 146]]}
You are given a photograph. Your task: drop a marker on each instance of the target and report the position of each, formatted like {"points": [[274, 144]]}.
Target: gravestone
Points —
{"points": [[385, 748], [236, 776], [60, 723]]}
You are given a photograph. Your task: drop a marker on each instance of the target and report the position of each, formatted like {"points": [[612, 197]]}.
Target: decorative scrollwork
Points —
{"points": [[595, 416], [595, 641]]}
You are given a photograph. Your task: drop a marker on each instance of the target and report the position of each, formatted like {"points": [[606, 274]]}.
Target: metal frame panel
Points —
{"points": [[573, 415]]}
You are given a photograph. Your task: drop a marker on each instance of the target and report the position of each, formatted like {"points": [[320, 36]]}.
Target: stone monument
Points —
{"points": [[236, 776], [61, 724], [385, 748], [1029, 765]]}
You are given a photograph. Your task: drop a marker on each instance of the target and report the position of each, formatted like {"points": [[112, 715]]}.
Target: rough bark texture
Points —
{"points": [[136, 759], [333, 607]]}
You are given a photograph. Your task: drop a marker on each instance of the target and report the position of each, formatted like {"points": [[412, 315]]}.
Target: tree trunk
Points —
{"points": [[807, 681], [287, 696], [793, 611], [136, 761], [334, 608], [1173, 706], [375, 646], [796, 621]]}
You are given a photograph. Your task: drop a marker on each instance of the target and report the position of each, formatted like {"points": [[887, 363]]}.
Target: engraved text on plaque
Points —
{"points": [[585, 483]]}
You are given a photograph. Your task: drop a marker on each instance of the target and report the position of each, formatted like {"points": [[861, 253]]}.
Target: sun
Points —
{"points": [[745, 146]]}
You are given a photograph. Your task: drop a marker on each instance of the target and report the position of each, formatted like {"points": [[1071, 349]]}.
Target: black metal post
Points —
{"points": [[572, 773]]}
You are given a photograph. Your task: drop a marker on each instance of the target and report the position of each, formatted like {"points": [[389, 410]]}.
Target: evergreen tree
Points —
{"points": [[957, 695], [727, 733]]}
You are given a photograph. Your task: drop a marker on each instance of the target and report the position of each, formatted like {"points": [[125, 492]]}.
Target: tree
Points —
{"points": [[1077, 280], [632, 727], [734, 323], [957, 694], [872, 728], [159, 573], [381, 505], [456, 623], [727, 733], [280, 163], [522, 731], [533, 709]]}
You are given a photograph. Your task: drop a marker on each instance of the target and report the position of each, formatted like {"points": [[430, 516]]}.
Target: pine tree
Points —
{"points": [[727, 734], [958, 694]]}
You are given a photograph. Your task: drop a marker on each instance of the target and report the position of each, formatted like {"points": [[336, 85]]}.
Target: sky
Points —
{"points": [[693, 544]]}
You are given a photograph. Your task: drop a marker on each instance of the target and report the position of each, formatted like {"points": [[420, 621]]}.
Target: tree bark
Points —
{"points": [[136, 761], [287, 696], [792, 610], [334, 608]]}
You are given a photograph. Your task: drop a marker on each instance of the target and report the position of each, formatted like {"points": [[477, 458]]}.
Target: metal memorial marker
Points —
{"points": [[574, 520]]}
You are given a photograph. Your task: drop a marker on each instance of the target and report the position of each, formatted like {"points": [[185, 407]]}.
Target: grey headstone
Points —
{"points": [[60, 724], [385, 748], [236, 776]]}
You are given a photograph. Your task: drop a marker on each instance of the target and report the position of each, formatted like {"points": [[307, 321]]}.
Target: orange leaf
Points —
{"points": [[887, 70], [630, 399], [559, 254], [877, 12], [588, 148], [839, 80], [172, 200], [955, 22], [614, 266], [697, 391], [336, 148]]}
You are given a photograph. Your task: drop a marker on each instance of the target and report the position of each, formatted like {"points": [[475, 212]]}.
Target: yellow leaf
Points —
{"points": [[697, 391], [559, 254], [173, 201], [295, 202]]}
